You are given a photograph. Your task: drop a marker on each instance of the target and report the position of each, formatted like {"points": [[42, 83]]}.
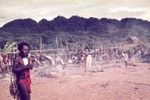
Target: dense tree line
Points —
{"points": [[74, 26]]}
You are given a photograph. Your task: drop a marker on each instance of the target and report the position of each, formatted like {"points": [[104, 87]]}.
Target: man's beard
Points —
{"points": [[23, 55]]}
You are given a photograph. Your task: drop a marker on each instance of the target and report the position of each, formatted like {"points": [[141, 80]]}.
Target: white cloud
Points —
{"points": [[129, 9]]}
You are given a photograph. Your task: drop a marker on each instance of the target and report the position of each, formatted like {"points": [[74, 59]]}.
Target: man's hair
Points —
{"points": [[20, 45]]}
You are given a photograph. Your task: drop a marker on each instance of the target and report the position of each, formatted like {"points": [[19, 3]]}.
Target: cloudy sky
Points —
{"points": [[49, 9]]}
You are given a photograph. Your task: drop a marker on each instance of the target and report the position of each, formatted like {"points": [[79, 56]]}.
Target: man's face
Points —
{"points": [[25, 51]]}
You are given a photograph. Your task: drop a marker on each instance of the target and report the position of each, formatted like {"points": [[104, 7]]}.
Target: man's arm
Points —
{"points": [[31, 62]]}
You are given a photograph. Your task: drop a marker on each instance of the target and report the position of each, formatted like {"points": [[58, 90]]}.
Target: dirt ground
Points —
{"points": [[115, 83]]}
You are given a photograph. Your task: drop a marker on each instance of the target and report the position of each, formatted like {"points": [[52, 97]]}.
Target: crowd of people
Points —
{"points": [[81, 57], [105, 55]]}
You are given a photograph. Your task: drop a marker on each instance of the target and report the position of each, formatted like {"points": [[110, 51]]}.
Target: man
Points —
{"points": [[60, 65], [1, 60], [125, 56], [88, 62], [5, 63], [21, 67]]}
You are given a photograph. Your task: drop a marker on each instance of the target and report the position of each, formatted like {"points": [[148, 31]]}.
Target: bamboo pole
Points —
{"points": [[56, 43], [41, 43]]}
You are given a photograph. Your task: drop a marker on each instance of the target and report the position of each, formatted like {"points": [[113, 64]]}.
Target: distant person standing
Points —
{"points": [[5, 63], [60, 65], [125, 57], [88, 62], [22, 65], [1, 60]]}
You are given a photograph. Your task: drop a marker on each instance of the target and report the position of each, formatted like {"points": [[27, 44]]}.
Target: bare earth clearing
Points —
{"points": [[115, 83]]}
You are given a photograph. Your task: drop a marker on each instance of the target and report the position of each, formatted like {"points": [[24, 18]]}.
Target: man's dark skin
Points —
{"points": [[22, 71]]}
